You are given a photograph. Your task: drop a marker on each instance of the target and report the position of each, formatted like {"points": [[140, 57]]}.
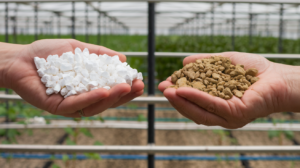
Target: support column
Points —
{"points": [[36, 21], [250, 24], [212, 23], [280, 48], [233, 28], [73, 20], [151, 79], [86, 23]]}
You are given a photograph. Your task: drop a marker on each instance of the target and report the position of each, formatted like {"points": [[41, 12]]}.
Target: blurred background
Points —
{"points": [[181, 28]]}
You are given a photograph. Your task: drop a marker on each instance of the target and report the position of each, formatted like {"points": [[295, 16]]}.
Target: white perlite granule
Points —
{"points": [[72, 74]]}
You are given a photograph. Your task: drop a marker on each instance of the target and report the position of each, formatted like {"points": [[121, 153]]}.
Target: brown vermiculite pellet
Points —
{"points": [[216, 76]]}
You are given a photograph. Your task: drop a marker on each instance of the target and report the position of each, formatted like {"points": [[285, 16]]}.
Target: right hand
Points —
{"points": [[277, 90]]}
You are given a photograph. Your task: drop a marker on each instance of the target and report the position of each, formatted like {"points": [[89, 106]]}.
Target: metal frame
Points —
{"points": [[149, 149], [220, 1], [143, 125]]}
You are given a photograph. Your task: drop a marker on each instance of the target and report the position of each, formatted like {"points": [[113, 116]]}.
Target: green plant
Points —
{"points": [[141, 117], [222, 135], [280, 134]]}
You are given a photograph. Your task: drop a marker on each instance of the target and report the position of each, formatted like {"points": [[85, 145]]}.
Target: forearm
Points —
{"points": [[8, 53]]}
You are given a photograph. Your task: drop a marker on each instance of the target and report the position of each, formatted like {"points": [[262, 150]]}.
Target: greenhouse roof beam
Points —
{"points": [[197, 15], [105, 14]]}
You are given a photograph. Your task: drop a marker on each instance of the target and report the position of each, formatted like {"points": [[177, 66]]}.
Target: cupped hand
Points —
{"points": [[264, 97], [22, 77]]}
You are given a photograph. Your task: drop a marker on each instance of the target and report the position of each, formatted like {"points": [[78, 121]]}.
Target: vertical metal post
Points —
{"points": [[298, 29], [99, 25], [250, 24], [36, 21], [15, 24], [233, 27], [151, 78], [27, 26], [267, 24], [198, 24], [212, 23], [58, 25], [280, 29], [203, 24], [6, 40], [104, 31], [99, 28], [6, 22], [73, 20], [86, 23]]}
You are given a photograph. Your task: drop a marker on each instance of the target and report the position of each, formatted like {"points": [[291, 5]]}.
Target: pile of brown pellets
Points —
{"points": [[216, 76]]}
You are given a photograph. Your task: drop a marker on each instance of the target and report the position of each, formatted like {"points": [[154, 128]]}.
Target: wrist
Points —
{"points": [[8, 55], [291, 77]]}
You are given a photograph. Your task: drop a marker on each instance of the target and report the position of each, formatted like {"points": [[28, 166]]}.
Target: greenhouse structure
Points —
{"points": [[155, 36]]}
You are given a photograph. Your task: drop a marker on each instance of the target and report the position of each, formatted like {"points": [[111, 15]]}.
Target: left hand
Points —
{"points": [[22, 77]]}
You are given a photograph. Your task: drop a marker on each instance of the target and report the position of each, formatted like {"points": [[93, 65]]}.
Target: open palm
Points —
{"points": [[24, 80], [261, 99]]}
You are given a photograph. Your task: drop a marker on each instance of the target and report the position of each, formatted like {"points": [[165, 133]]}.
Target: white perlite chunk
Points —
{"points": [[72, 74]]}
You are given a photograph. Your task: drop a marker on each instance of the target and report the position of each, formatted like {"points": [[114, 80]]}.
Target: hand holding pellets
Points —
{"points": [[216, 76], [81, 72]]}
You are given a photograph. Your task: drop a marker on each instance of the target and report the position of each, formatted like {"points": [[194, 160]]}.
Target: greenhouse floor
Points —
{"points": [[116, 136]]}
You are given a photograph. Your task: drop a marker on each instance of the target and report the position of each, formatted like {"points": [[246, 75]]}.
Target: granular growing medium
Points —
{"points": [[79, 72], [216, 76]]}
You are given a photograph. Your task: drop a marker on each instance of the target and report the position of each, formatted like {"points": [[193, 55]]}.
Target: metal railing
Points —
{"points": [[143, 125], [149, 149]]}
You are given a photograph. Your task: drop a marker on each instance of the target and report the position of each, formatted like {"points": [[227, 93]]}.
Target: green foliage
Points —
{"points": [[141, 117], [86, 132], [98, 143], [65, 158], [94, 156], [101, 119], [29, 132], [70, 142], [55, 166], [69, 130], [273, 134], [185, 43], [289, 134]]}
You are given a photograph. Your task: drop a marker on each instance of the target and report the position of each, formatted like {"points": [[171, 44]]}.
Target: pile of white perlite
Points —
{"points": [[72, 74]]}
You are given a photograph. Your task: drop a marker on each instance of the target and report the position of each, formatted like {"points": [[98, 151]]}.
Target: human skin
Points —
{"points": [[277, 90], [18, 72]]}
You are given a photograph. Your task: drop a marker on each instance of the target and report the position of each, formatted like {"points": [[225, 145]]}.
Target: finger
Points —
{"points": [[208, 102], [168, 94], [97, 49], [115, 94], [78, 102], [163, 85], [194, 112], [137, 89]]}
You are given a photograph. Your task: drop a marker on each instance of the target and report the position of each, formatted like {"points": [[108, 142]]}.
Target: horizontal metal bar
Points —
{"points": [[157, 157], [178, 54], [150, 149], [220, 1], [143, 125], [135, 100]]}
